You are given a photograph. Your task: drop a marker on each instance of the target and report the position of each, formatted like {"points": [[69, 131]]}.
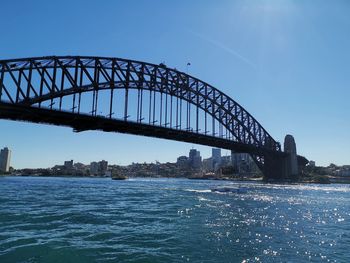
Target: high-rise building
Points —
{"points": [[195, 159], [5, 159], [242, 162], [216, 158]]}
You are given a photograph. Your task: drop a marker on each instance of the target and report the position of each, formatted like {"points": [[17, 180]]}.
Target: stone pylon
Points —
{"points": [[292, 159]]}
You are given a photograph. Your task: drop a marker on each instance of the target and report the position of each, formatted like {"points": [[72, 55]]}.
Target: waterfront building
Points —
{"points": [[208, 164], [79, 166], [98, 168], [93, 168], [225, 160], [103, 166], [216, 158], [195, 159], [346, 172], [343, 171], [241, 162], [68, 165], [5, 159], [182, 162]]}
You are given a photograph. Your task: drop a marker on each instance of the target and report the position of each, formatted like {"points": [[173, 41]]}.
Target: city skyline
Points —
{"points": [[262, 57], [70, 162]]}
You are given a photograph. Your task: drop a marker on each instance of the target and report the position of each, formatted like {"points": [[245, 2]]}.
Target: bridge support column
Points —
{"points": [[282, 167], [292, 159]]}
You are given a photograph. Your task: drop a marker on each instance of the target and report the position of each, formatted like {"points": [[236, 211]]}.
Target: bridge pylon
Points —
{"points": [[292, 159], [282, 167]]}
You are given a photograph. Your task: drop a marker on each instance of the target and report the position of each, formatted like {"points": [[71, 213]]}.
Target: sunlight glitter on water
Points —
{"points": [[171, 220]]}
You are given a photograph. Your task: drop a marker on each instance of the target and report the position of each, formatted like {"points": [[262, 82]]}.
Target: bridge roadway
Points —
{"points": [[84, 122]]}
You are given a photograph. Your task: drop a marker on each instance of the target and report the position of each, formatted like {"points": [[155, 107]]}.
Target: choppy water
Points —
{"points": [[170, 220]]}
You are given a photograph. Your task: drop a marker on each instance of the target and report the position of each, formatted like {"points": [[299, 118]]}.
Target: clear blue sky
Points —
{"points": [[286, 62]]}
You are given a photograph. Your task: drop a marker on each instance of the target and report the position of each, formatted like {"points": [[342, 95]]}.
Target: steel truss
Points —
{"points": [[175, 101]]}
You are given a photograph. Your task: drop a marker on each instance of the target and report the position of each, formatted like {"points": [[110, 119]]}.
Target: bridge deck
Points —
{"points": [[82, 122]]}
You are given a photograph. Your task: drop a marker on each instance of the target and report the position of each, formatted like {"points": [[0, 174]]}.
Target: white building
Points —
{"points": [[5, 159]]}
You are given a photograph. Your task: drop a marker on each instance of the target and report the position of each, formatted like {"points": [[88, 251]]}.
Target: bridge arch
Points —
{"points": [[40, 82]]}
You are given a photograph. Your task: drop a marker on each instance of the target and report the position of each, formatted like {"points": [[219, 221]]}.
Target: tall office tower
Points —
{"points": [[5, 159], [195, 159], [216, 158]]}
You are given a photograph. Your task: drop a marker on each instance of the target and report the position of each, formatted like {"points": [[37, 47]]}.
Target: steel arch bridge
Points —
{"points": [[127, 96]]}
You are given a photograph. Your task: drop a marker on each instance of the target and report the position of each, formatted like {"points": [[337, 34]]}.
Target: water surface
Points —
{"points": [[170, 220]]}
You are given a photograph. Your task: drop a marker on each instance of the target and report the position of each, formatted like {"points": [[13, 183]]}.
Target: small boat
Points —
{"points": [[238, 190], [119, 177], [116, 176]]}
